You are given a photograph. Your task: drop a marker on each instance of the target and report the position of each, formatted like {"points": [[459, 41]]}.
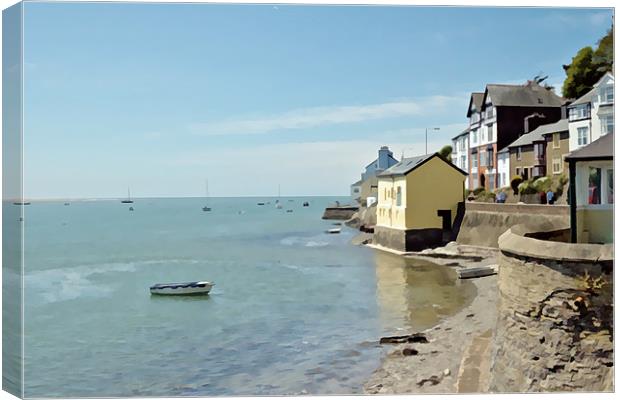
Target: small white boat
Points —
{"points": [[333, 230], [184, 288]]}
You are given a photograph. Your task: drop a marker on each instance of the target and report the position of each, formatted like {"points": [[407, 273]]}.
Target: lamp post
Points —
{"points": [[426, 139]]}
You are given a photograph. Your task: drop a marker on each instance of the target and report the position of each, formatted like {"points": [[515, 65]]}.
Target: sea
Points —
{"points": [[294, 310]]}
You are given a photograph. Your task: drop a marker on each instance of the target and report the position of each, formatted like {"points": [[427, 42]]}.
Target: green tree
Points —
{"points": [[588, 66], [603, 56], [446, 153]]}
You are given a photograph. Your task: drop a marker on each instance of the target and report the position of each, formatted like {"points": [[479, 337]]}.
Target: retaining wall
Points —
{"points": [[339, 213], [555, 320], [484, 223]]}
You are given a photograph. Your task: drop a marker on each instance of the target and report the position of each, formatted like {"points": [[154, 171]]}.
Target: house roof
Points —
{"points": [[587, 98], [465, 132], [530, 94], [601, 149], [377, 159], [537, 135], [476, 99], [409, 164], [505, 149], [357, 183]]}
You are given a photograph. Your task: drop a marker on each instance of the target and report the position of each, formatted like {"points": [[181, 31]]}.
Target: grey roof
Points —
{"points": [[476, 98], [601, 148], [465, 132], [587, 98], [537, 135], [357, 183], [528, 95], [409, 164], [505, 149]]}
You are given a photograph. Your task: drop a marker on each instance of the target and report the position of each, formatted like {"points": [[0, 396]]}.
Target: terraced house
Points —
{"points": [[497, 119], [592, 115], [540, 152], [460, 152]]}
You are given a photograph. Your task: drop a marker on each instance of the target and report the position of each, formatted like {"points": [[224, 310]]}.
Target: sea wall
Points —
{"points": [[484, 223], [340, 213], [555, 316]]}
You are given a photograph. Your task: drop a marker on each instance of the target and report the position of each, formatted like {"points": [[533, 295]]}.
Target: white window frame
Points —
{"points": [[605, 124], [557, 162], [607, 95], [582, 135]]}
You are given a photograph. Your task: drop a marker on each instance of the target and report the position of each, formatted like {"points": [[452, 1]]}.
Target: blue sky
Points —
{"points": [[161, 96]]}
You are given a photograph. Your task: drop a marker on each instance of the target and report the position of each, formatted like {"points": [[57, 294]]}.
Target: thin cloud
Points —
{"points": [[322, 116]]}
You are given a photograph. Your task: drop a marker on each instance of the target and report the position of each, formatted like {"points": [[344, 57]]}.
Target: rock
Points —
{"points": [[413, 338], [469, 315], [433, 380], [410, 352], [446, 372], [362, 238]]}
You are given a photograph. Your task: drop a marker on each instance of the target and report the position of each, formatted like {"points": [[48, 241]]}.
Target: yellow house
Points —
{"points": [[591, 192], [419, 200]]}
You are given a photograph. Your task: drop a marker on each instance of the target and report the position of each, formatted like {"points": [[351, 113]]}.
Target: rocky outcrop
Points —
{"points": [[555, 324]]}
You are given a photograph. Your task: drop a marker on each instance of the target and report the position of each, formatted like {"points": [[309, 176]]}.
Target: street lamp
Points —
{"points": [[426, 139]]}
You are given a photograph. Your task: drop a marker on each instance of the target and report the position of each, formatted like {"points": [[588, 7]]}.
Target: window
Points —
{"points": [[607, 95], [464, 143], [579, 112], [582, 136], [556, 165], [474, 160], [539, 151], [518, 171], [483, 159], [556, 140], [398, 196], [519, 153], [490, 133], [607, 124], [463, 162], [610, 186], [491, 180], [489, 112], [594, 186], [489, 158]]}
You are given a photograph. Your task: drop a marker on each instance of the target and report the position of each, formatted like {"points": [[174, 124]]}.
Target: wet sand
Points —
{"points": [[456, 358]]}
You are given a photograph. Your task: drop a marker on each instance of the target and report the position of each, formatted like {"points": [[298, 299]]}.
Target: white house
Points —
{"points": [[592, 115], [460, 152], [503, 167]]}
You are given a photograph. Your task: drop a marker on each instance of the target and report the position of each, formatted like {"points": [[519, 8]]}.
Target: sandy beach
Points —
{"points": [[454, 356]]}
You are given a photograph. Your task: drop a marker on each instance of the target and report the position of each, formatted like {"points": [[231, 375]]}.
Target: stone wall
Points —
{"points": [[339, 213], [484, 223], [407, 240], [555, 324]]}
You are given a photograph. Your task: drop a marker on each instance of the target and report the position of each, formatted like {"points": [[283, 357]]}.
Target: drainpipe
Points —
{"points": [[573, 201]]}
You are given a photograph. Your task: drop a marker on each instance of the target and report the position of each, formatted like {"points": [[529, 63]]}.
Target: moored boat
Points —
{"points": [[183, 288]]}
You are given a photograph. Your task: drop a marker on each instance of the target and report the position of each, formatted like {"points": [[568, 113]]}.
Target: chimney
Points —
{"points": [[383, 159], [537, 120]]}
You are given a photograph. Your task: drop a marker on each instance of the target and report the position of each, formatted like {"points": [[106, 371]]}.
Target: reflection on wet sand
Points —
{"points": [[415, 295]]}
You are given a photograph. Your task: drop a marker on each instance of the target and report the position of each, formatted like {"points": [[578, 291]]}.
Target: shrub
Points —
{"points": [[563, 179], [515, 182], [527, 187], [478, 190], [542, 184]]}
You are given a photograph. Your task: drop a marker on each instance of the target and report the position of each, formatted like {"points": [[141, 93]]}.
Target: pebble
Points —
{"points": [[446, 372]]}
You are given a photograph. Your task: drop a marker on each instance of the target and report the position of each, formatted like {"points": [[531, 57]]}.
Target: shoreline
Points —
{"points": [[457, 357]]}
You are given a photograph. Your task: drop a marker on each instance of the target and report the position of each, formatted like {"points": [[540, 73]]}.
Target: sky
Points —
{"points": [[160, 97]]}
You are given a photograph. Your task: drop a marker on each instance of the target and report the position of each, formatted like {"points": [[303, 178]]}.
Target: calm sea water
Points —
{"points": [[294, 310]]}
